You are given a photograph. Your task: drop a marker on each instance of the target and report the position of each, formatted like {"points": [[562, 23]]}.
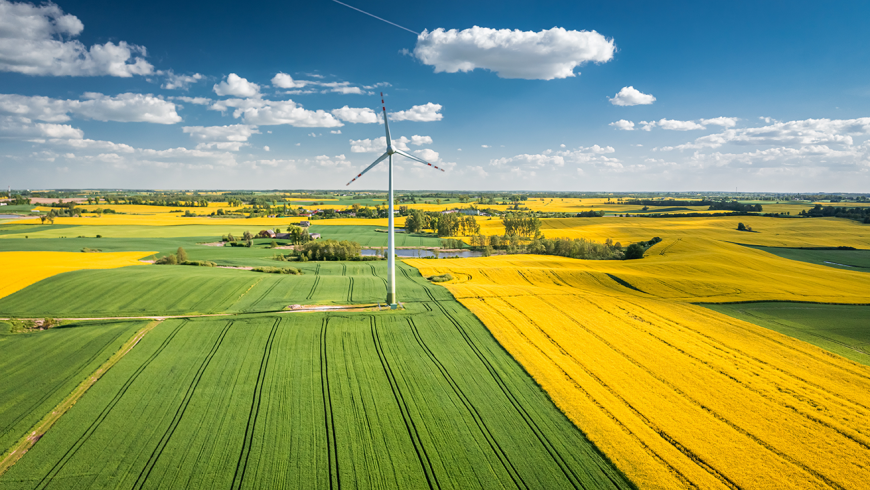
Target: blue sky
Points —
{"points": [[760, 96]]}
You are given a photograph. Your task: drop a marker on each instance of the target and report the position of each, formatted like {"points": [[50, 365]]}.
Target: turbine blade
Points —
{"points": [[412, 157], [379, 160], [386, 123]]}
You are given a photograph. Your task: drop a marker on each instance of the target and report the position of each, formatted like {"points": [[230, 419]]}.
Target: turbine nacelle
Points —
{"points": [[390, 150], [391, 235]]}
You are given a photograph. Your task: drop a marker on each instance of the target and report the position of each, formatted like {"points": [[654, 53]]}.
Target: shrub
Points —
{"points": [[170, 259], [634, 251], [182, 255], [199, 263], [278, 270], [442, 278], [91, 250]]}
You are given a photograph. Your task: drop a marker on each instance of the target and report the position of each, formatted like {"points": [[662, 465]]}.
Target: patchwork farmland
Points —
{"points": [[526, 371]]}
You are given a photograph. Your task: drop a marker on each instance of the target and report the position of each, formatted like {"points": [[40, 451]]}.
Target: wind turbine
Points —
{"points": [[391, 239]]}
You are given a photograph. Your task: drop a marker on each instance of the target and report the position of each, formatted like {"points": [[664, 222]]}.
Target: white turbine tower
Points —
{"points": [[391, 239]]}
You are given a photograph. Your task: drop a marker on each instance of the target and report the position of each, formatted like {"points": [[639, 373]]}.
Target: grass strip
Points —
{"points": [[22, 446]]}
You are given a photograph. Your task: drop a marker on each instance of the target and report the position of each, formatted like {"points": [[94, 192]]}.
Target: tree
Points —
{"points": [[415, 221], [741, 227], [181, 254], [634, 251]]}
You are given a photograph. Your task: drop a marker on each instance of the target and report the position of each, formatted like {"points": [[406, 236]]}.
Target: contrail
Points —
{"points": [[376, 17]]}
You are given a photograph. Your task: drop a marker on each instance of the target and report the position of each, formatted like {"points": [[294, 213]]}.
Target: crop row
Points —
{"points": [[178, 290], [676, 395], [40, 368], [422, 399]]}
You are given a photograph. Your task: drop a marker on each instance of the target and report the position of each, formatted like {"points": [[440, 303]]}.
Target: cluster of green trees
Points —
{"points": [[17, 199], [854, 213], [578, 248], [735, 206], [450, 224], [328, 250], [667, 203], [180, 258], [521, 224], [230, 241], [589, 214]]}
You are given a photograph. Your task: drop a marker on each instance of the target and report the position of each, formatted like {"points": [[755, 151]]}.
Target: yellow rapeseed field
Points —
{"points": [[676, 395], [21, 269], [771, 232], [171, 219]]}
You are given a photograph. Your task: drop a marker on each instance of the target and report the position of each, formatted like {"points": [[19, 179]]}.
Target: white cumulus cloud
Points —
{"points": [[121, 108], [230, 138], [629, 96], [362, 115], [37, 40], [262, 112], [236, 86], [726, 122], [623, 125], [176, 81], [675, 125], [428, 154], [21, 127], [544, 55], [379, 145], [194, 100], [421, 113], [283, 80]]}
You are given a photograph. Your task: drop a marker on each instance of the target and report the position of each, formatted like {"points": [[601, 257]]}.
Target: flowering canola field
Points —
{"points": [[676, 395], [769, 232], [21, 269]]}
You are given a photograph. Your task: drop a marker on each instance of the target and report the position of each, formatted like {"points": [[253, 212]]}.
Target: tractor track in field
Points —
{"points": [[58, 466], [254, 413], [313, 287], [834, 341], [570, 475], [262, 297], [350, 290], [49, 393], [478, 419], [793, 409], [697, 404], [329, 417], [180, 411], [674, 471], [716, 344], [410, 426], [667, 247], [650, 424]]}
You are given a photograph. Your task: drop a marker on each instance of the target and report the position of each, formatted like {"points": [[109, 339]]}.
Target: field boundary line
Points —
{"points": [[181, 410], [472, 410], [58, 466], [48, 393], [39, 430]]}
